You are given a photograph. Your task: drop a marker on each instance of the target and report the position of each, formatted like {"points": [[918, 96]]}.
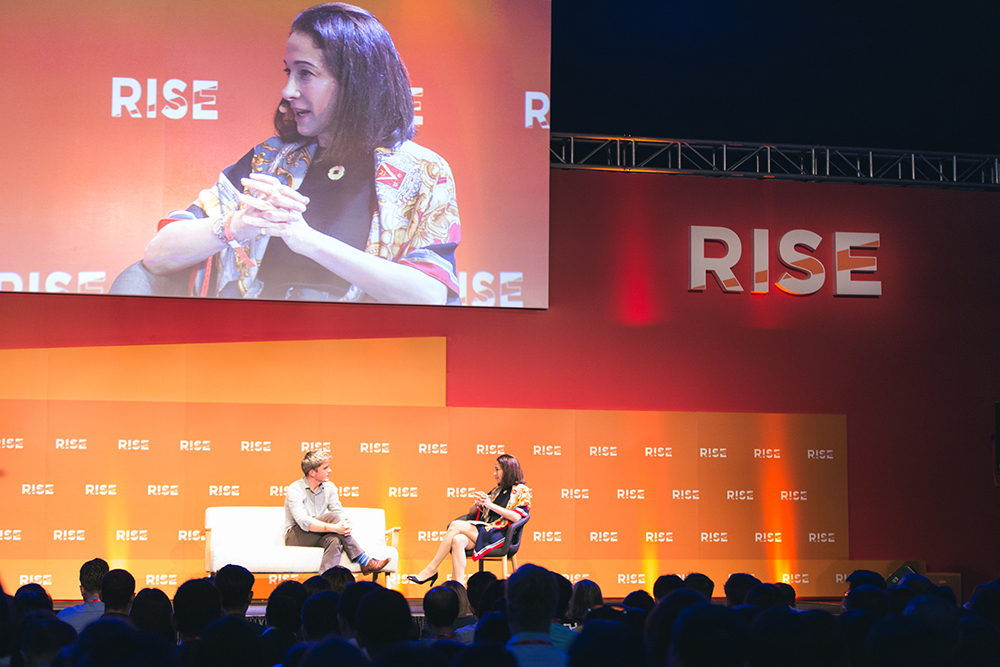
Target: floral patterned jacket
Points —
{"points": [[416, 222]]}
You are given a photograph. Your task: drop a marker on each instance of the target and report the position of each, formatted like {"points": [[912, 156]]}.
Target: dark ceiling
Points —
{"points": [[882, 74]]}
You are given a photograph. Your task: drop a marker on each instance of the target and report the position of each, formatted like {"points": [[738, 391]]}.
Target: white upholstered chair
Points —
{"points": [[253, 537]]}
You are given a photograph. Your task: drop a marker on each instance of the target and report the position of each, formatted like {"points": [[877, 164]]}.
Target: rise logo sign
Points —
{"points": [[810, 272], [127, 93]]}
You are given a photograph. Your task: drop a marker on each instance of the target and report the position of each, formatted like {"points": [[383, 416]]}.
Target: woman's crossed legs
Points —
{"points": [[461, 534]]}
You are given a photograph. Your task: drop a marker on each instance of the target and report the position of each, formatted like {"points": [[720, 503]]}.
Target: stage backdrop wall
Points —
{"points": [[914, 369], [622, 493]]}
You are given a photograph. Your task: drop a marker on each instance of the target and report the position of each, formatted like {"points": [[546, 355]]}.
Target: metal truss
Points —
{"points": [[777, 161]]}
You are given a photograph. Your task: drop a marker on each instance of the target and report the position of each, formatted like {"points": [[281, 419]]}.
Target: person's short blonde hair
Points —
{"points": [[314, 459]]}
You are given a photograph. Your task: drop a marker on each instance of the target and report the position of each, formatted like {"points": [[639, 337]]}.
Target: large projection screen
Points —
{"points": [[125, 112]]}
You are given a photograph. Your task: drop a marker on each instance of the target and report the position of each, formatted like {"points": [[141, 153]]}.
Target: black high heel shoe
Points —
{"points": [[431, 579]]}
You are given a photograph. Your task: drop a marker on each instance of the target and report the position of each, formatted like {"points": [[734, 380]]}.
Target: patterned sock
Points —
{"points": [[363, 559]]}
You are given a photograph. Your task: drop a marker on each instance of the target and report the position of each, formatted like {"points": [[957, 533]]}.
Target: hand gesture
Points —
{"points": [[271, 209]]}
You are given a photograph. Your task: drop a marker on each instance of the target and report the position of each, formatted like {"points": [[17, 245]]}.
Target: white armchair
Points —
{"points": [[253, 537]]}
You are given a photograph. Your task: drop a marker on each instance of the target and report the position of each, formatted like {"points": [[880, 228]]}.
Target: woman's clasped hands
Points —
{"points": [[271, 208]]}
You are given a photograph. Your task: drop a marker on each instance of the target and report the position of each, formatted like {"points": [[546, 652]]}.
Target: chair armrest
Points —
{"points": [[514, 527], [392, 536], [208, 550]]}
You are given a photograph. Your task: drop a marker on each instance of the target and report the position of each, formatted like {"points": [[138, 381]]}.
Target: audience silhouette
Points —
{"points": [[520, 622]]}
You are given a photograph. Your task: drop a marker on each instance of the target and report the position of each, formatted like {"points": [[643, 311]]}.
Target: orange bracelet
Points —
{"points": [[233, 243]]}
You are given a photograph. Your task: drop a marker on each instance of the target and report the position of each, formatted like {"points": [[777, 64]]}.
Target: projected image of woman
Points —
{"points": [[486, 524], [341, 205]]}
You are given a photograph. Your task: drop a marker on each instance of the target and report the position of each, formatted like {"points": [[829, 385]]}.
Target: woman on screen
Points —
{"points": [[341, 205], [485, 526]]}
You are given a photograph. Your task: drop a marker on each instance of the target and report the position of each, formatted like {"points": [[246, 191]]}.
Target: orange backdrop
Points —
{"points": [[619, 496]]}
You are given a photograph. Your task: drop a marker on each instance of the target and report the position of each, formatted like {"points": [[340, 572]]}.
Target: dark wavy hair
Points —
{"points": [[374, 102], [512, 473]]}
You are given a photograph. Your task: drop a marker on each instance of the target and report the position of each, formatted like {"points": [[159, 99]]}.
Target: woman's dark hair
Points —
{"points": [[492, 627], [339, 577], [512, 473], [33, 597], [374, 102], [586, 596], [152, 612], [284, 606]]}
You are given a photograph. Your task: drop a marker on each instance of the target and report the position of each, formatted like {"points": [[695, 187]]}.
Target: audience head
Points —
{"points": [[463, 596], [787, 593], [531, 599], [586, 596], [339, 577], [32, 597], [484, 654], [319, 616], [747, 611], [696, 581], [827, 644], [565, 593], [196, 605], [737, 586], [111, 642], [417, 654], [152, 612], [478, 583], [492, 627], [493, 598], [315, 584], [440, 609], [985, 601], [607, 612], [778, 638], [919, 584], [855, 625], [865, 578], [92, 576], [284, 606], [948, 595], [117, 591], [666, 584], [235, 584], [899, 597], [334, 651], [661, 620], [8, 620], [640, 600], [979, 642], [230, 642], [604, 643], [347, 608], [42, 637], [765, 596], [937, 611], [866, 597], [898, 640], [707, 635], [383, 620]]}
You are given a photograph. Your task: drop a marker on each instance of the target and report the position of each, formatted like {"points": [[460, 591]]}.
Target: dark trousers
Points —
{"points": [[332, 543]]}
